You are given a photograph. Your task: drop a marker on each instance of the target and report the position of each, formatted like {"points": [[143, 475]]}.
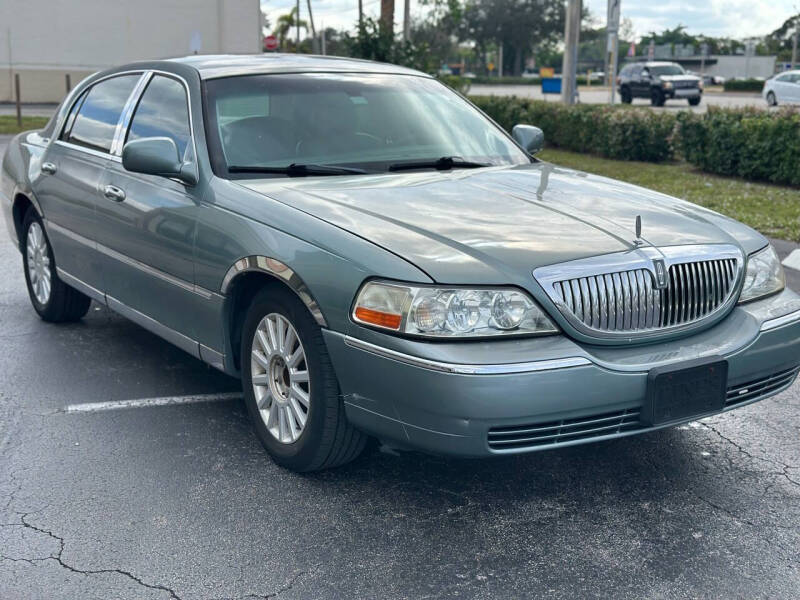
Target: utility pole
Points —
{"points": [[612, 47], [500, 59], [313, 29], [297, 23], [407, 21], [569, 75], [794, 43], [360, 14]]}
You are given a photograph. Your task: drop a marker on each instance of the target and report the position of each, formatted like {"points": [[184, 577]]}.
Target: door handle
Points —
{"points": [[114, 193], [49, 168]]}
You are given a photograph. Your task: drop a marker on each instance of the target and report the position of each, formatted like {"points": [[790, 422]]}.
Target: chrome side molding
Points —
{"points": [[461, 369]]}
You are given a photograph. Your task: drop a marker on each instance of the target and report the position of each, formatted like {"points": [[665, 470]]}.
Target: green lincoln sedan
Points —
{"points": [[373, 256]]}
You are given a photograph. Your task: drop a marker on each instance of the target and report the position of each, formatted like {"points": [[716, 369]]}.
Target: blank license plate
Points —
{"points": [[692, 389]]}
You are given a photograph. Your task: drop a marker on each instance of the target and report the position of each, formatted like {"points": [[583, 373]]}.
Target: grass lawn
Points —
{"points": [[8, 123], [771, 209]]}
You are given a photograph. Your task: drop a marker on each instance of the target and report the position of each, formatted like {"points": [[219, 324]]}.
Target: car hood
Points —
{"points": [[495, 225], [679, 78]]}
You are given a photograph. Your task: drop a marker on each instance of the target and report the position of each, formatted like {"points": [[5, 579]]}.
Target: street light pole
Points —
{"points": [[612, 46], [407, 20], [297, 28], [569, 66], [794, 43]]}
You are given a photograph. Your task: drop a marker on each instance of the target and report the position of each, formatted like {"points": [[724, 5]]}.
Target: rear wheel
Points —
{"points": [[53, 299], [625, 95], [694, 101], [771, 99], [290, 388]]}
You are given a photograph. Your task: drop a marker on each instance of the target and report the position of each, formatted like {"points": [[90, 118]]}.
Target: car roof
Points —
{"points": [[659, 63], [211, 66]]}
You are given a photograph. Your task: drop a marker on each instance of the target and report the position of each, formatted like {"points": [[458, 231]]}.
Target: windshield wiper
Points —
{"points": [[445, 163], [297, 170]]}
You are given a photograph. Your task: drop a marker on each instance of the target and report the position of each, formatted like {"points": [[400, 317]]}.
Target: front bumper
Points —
{"points": [[547, 392], [682, 93]]}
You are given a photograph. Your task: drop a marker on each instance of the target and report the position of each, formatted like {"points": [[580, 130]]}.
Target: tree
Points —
{"points": [[521, 26], [285, 24]]}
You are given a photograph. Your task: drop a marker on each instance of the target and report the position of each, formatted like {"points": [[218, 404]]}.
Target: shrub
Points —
{"points": [[459, 84], [743, 142], [614, 132], [482, 79], [744, 85], [749, 143]]}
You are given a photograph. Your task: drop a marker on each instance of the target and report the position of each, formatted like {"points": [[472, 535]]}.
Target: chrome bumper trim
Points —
{"points": [[460, 369], [780, 321]]}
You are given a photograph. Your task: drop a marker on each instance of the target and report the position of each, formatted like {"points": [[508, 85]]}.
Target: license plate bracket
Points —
{"points": [[684, 390]]}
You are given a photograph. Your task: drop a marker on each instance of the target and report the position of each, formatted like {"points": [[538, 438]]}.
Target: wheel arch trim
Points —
{"points": [[278, 270]]}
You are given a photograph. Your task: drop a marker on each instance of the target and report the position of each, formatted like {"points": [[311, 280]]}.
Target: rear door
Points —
{"points": [[71, 170], [146, 223], [794, 88]]}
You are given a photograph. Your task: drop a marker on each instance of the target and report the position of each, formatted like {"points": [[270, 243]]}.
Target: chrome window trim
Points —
{"points": [[462, 369], [89, 151], [780, 321], [640, 258], [127, 111]]}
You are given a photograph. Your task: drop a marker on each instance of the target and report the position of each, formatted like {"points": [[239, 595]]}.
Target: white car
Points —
{"points": [[782, 89]]}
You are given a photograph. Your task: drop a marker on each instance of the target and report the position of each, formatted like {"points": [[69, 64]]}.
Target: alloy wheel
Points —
{"points": [[38, 263], [280, 378]]}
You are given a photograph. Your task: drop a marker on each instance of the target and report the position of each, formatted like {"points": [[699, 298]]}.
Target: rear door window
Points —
{"points": [[97, 118], [163, 111]]}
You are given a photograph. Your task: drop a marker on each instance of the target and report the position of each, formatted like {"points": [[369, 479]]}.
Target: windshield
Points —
{"points": [[667, 70], [362, 121]]}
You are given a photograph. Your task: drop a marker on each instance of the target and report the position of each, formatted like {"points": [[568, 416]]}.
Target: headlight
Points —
{"points": [[667, 85], [764, 275], [447, 312]]}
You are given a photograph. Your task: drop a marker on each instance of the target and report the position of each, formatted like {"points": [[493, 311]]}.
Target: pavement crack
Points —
{"points": [[58, 558]]}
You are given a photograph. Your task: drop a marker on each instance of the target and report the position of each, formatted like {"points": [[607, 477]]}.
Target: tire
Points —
{"points": [[694, 101], [771, 99], [625, 95], [657, 98], [298, 436], [53, 299]]}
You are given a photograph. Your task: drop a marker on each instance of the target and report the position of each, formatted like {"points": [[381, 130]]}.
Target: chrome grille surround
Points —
{"points": [[615, 296]]}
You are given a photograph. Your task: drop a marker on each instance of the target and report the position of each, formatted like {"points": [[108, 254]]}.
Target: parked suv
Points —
{"points": [[659, 81]]}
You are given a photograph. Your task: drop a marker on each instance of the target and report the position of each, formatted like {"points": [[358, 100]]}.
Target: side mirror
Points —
{"points": [[645, 74], [529, 137], [156, 156]]}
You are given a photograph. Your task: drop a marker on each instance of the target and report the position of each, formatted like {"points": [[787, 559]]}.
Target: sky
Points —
{"points": [[719, 18]]}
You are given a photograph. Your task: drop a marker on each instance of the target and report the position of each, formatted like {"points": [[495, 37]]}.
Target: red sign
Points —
{"points": [[270, 42]]}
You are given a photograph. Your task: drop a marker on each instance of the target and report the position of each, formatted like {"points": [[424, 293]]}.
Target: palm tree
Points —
{"points": [[285, 24]]}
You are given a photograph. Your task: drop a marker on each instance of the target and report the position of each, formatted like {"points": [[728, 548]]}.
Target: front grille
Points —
{"points": [[759, 388], [684, 84], [566, 430], [628, 301]]}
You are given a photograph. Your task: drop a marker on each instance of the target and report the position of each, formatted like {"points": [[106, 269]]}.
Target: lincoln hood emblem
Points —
{"points": [[638, 241], [661, 273]]}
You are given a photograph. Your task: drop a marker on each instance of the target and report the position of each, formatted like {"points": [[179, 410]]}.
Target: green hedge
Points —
{"points": [[744, 85], [621, 133], [750, 143], [483, 80]]}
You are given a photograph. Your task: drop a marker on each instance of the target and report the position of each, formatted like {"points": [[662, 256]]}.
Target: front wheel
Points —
{"points": [[694, 101], [290, 387], [657, 98], [52, 299], [625, 95]]}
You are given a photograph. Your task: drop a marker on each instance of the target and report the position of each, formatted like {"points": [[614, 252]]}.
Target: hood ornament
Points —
{"points": [[638, 241]]}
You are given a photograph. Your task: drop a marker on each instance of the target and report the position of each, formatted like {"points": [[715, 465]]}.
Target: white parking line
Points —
{"points": [[147, 402], [793, 260]]}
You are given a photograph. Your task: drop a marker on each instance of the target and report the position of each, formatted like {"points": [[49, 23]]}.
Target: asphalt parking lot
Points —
{"points": [[180, 501]]}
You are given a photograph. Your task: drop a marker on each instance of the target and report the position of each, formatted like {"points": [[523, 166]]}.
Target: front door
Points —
{"points": [[146, 223], [71, 170]]}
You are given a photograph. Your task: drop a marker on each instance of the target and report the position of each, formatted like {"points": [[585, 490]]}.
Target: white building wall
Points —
{"points": [[44, 39]]}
